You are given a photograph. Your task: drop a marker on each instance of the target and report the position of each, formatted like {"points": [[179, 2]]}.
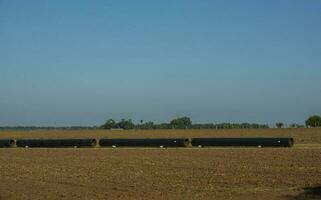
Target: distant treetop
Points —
{"points": [[313, 121]]}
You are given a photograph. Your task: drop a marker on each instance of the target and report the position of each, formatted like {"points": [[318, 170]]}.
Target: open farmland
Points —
{"points": [[185, 173]]}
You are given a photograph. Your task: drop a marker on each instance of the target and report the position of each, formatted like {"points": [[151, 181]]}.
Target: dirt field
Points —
{"points": [[190, 173]]}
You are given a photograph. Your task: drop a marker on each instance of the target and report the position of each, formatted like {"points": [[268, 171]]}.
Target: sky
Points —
{"points": [[78, 63]]}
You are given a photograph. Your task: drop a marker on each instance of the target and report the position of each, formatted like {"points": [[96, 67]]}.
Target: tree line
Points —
{"points": [[177, 123], [186, 123]]}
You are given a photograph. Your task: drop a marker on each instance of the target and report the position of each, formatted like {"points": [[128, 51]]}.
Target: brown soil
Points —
{"points": [[185, 173]]}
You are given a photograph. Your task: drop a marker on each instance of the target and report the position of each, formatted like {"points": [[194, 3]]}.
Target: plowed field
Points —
{"points": [[185, 173]]}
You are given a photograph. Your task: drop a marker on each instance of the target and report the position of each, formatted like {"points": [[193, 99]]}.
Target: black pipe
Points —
{"points": [[258, 142], [54, 143], [140, 142], [7, 143]]}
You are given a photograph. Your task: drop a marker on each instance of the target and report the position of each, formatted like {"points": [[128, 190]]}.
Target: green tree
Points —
{"points": [[313, 121], [279, 125], [126, 124], [109, 124], [181, 123]]}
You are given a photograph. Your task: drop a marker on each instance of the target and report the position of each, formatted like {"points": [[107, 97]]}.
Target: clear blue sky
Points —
{"points": [[81, 62]]}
